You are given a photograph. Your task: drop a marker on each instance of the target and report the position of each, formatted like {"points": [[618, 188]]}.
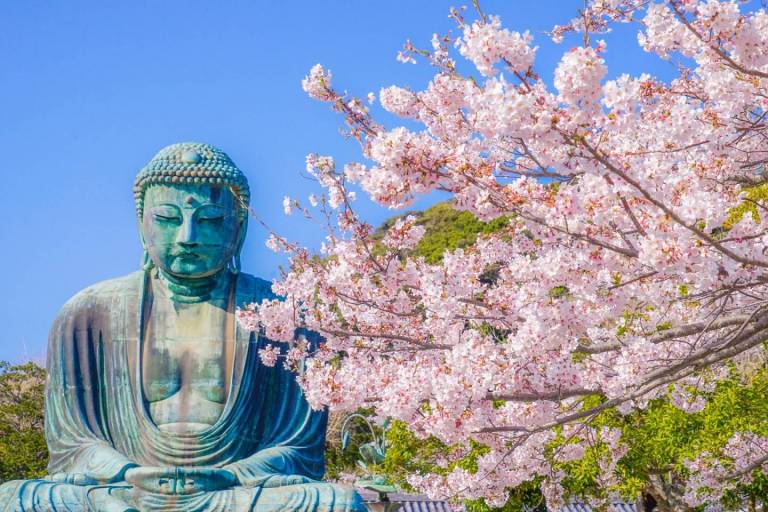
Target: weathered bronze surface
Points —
{"points": [[156, 399]]}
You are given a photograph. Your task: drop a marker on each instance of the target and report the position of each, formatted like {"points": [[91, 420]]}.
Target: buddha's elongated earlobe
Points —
{"points": [[235, 265], [146, 262]]}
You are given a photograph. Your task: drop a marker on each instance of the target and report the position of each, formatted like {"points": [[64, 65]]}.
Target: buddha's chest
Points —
{"points": [[184, 360]]}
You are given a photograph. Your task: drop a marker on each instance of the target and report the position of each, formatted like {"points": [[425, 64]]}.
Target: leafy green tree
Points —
{"points": [[662, 438], [23, 451]]}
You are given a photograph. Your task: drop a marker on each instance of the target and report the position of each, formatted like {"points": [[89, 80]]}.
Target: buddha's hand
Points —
{"points": [[96, 477], [277, 466], [180, 480], [89, 478]]}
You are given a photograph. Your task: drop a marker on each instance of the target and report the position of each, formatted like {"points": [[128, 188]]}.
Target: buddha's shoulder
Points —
{"points": [[105, 292], [254, 288], [128, 288]]}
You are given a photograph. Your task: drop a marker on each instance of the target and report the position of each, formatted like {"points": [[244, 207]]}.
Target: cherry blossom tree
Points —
{"points": [[620, 275]]}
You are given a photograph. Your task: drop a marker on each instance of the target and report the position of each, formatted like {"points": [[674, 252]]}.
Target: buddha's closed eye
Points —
{"points": [[165, 218], [212, 220], [211, 213], [166, 214]]}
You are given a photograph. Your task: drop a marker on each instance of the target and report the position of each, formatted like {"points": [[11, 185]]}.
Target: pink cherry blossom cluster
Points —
{"points": [[711, 474], [318, 83], [578, 77], [485, 43], [621, 268], [269, 355]]}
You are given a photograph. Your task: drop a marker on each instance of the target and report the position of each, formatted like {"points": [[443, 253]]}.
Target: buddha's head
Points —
{"points": [[191, 202]]}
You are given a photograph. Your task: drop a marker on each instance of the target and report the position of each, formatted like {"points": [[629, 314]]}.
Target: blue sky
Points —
{"points": [[91, 90]]}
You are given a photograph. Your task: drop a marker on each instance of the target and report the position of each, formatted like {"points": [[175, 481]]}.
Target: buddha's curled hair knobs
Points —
{"points": [[192, 163]]}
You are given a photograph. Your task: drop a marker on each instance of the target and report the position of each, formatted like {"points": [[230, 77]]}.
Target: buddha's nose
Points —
{"points": [[187, 236]]}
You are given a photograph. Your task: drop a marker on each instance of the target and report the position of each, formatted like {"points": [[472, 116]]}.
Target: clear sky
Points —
{"points": [[92, 89]]}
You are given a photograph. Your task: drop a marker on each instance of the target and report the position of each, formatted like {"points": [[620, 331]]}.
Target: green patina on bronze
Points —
{"points": [[156, 399]]}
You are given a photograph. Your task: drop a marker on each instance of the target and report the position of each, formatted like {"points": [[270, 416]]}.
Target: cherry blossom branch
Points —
{"points": [[719, 51], [647, 195], [675, 372]]}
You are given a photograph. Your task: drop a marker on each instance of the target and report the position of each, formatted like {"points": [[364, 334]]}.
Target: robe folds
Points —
{"points": [[98, 426]]}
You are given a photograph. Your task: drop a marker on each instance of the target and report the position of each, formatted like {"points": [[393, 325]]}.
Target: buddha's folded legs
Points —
{"points": [[315, 497], [45, 496], [39, 495]]}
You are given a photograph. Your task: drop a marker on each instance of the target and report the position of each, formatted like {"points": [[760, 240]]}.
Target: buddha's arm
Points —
{"points": [[277, 466], [78, 441], [78, 455], [291, 434], [94, 464]]}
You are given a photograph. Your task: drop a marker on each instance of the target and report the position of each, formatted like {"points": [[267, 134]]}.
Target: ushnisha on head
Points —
{"points": [[192, 207]]}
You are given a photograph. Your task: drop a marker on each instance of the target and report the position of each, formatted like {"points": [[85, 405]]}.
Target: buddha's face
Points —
{"points": [[190, 230]]}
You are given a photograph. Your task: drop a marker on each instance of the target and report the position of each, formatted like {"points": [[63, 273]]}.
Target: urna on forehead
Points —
{"points": [[191, 163]]}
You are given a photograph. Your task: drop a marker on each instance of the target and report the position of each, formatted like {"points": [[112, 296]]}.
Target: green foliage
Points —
{"points": [[447, 229], [409, 454], [23, 451], [339, 459], [661, 438], [525, 497], [749, 206], [558, 292]]}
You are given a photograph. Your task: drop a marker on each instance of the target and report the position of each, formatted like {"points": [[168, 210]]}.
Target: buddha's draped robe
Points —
{"points": [[97, 423]]}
